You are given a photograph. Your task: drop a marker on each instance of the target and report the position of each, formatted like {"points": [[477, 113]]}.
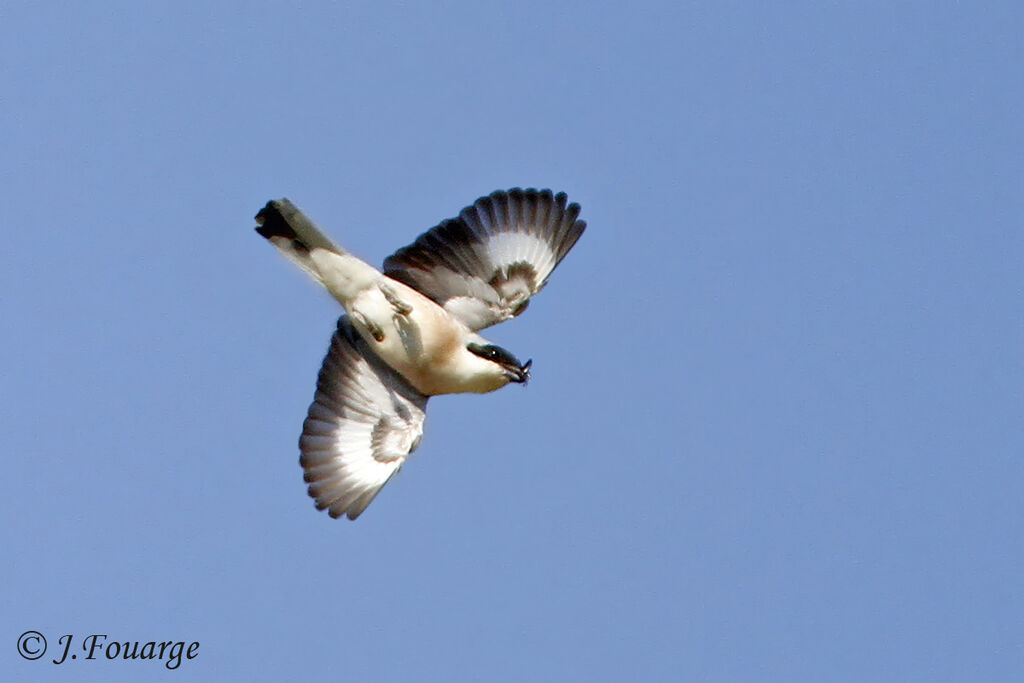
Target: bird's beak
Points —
{"points": [[521, 375]]}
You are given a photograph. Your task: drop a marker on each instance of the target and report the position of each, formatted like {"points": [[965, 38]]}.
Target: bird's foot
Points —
{"points": [[401, 307], [372, 327]]}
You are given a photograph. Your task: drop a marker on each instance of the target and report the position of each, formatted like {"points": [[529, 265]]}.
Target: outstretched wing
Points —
{"points": [[484, 266], [365, 419]]}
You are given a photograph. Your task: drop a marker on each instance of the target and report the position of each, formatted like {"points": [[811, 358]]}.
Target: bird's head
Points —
{"points": [[501, 365]]}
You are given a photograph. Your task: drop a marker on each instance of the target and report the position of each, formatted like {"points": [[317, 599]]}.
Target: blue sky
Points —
{"points": [[776, 425]]}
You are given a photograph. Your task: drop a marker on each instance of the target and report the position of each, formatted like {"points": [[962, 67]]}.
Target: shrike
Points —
{"points": [[411, 331]]}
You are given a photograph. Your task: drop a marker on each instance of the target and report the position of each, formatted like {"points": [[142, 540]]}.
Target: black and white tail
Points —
{"points": [[293, 234]]}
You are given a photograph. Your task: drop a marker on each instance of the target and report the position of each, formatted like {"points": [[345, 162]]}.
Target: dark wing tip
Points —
{"points": [[336, 514]]}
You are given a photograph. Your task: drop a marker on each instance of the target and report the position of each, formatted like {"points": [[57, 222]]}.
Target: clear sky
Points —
{"points": [[775, 430]]}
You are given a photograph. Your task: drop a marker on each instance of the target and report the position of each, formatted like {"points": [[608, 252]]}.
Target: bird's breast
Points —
{"points": [[421, 344]]}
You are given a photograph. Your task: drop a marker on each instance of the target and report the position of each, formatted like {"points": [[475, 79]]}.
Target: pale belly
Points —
{"points": [[420, 345]]}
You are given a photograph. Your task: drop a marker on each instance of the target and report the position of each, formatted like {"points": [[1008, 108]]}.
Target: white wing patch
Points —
{"points": [[365, 419], [507, 248]]}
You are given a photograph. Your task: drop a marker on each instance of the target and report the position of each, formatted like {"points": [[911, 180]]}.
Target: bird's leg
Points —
{"points": [[373, 327], [400, 306]]}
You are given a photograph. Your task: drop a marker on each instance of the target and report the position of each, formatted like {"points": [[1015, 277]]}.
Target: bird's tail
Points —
{"points": [[298, 238], [293, 234]]}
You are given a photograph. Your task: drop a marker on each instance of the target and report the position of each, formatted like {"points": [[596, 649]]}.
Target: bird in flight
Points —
{"points": [[411, 331]]}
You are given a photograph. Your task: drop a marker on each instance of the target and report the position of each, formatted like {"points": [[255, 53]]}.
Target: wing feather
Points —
{"points": [[364, 421], [484, 266]]}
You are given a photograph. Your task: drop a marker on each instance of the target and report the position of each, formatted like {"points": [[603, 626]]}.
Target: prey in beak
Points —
{"points": [[519, 375]]}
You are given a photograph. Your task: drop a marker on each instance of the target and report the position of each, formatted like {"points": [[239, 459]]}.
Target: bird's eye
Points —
{"points": [[495, 354]]}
